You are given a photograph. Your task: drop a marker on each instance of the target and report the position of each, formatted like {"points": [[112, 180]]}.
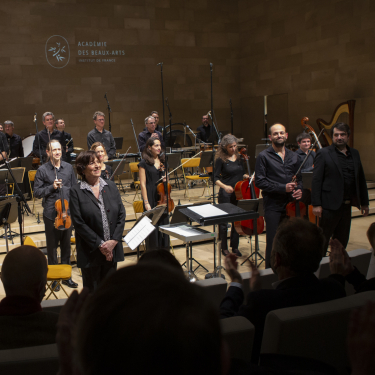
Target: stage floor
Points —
{"points": [[202, 252]]}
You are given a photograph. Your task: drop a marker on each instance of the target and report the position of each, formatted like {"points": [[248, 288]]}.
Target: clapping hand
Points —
{"points": [[231, 266], [339, 260]]}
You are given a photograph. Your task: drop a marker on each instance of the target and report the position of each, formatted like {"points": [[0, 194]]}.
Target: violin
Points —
{"points": [[295, 208], [62, 220], [246, 189], [161, 188]]}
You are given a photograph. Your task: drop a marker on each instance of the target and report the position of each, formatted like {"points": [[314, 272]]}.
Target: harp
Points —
{"points": [[344, 112]]}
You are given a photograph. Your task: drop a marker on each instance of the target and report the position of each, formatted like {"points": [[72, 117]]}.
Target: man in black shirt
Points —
{"points": [[4, 149], [46, 135], [155, 115], [338, 183], [150, 131], [14, 141], [99, 134], [204, 130], [60, 126], [49, 178], [274, 170]]}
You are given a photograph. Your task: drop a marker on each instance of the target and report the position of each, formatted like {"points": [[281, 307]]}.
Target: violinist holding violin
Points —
{"points": [[151, 170], [274, 170], [229, 170], [52, 176]]}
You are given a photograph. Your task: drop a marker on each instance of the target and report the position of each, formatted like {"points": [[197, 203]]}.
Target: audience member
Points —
{"points": [[22, 321], [141, 320], [342, 268], [160, 256], [296, 254]]}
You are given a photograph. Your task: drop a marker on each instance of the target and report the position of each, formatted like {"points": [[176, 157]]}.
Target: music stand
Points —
{"points": [[174, 160], [26, 163], [118, 142], [179, 217], [8, 215], [253, 205]]}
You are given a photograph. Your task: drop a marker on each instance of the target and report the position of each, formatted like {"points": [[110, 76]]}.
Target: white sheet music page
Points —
{"points": [[207, 210], [185, 230], [139, 233]]}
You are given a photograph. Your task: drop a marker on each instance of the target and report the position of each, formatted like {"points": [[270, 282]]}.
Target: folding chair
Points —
{"points": [[74, 251], [32, 179], [134, 169], [56, 272], [192, 163]]}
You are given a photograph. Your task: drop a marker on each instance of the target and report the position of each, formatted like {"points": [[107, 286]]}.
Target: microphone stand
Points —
{"points": [[162, 97], [38, 135], [170, 123], [109, 113], [231, 116], [135, 136]]}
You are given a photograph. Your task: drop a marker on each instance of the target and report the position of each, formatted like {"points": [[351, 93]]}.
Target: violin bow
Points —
{"points": [[179, 166], [120, 162]]}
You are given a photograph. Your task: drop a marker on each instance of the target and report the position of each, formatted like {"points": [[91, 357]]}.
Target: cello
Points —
{"points": [[246, 189]]}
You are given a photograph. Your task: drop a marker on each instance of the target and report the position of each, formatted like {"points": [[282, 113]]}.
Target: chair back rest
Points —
{"points": [[267, 278], [371, 267], [215, 289], [29, 242], [192, 163], [360, 258], [31, 175], [53, 305], [138, 207], [316, 331], [134, 167]]}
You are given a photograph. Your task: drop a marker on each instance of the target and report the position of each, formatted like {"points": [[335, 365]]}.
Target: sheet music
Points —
{"points": [[139, 233], [185, 230], [207, 210]]}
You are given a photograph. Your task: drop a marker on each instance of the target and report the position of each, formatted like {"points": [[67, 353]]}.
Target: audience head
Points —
{"points": [[297, 248], [371, 235], [24, 272], [145, 319], [160, 256]]}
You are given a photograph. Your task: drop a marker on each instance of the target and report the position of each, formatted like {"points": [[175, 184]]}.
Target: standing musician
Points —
{"points": [[99, 134], [155, 115], [204, 130], [99, 220], [274, 170], [150, 132], [50, 177], [46, 135], [4, 149], [60, 126], [338, 183], [14, 141], [228, 171], [101, 154], [150, 171]]}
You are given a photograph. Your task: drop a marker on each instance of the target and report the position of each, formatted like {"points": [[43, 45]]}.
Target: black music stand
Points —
{"points": [[174, 160], [179, 217], [26, 163], [8, 215], [118, 142], [233, 213], [253, 205]]}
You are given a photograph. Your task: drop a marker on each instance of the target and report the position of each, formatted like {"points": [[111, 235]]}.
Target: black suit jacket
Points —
{"points": [[296, 291], [327, 188], [88, 225]]}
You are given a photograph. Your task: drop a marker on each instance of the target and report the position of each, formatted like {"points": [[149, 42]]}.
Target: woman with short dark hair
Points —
{"points": [[99, 219]]}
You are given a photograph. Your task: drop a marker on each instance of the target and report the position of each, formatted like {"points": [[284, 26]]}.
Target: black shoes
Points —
{"points": [[70, 283], [225, 252], [237, 252], [54, 287]]}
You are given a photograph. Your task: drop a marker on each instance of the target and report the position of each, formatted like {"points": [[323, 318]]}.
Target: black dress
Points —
{"points": [[156, 239], [107, 173], [229, 173]]}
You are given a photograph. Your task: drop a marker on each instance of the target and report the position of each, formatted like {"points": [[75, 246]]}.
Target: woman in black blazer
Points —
{"points": [[98, 216]]}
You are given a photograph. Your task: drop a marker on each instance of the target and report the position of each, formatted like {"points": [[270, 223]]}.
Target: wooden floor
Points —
{"points": [[201, 252]]}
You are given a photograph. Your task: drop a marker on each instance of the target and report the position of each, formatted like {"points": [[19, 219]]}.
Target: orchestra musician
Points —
{"points": [[338, 184], [204, 130], [53, 175], [150, 171], [4, 149], [274, 171], [101, 153], [155, 115], [1, 127], [228, 171], [150, 132], [99, 220], [99, 134], [46, 135], [60, 126], [14, 141]]}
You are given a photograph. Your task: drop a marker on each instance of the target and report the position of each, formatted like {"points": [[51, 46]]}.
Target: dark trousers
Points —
{"points": [[272, 219], [223, 228], [158, 240], [93, 276], [54, 237], [336, 224]]}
